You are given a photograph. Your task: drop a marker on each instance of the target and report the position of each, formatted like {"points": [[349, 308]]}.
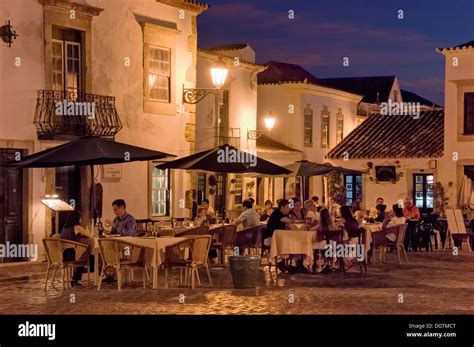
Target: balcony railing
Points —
{"points": [[220, 136], [61, 113]]}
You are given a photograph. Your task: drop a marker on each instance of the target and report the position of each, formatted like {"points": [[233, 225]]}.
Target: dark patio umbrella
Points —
{"points": [[226, 159], [88, 151], [306, 168]]}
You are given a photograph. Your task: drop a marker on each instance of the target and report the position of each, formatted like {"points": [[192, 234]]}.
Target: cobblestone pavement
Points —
{"points": [[432, 283]]}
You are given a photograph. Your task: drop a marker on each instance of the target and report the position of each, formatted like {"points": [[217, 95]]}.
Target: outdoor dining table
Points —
{"points": [[372, 231], [292, 242], [154, 251]]}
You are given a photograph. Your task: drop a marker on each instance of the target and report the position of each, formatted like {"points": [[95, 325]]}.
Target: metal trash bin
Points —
{"points": [[244, 270]]}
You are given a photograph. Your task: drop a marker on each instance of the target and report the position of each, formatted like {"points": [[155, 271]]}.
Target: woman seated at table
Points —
{"points": [[326, 224], [334, 208], [73, 231], [357, 210], [266, 211], [394, 219], [350, 223], [297, 213]]}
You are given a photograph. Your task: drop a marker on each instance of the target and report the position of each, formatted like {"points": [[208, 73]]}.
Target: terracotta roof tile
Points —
{"points": [[382, 136], [466, 45], [278, 72]]}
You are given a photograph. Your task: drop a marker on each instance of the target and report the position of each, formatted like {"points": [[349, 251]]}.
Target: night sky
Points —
{"points": [[367, 31]]}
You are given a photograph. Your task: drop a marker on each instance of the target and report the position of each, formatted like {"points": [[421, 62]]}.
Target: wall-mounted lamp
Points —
{"points": [[218, 74], [8, 34], [269, 124]]}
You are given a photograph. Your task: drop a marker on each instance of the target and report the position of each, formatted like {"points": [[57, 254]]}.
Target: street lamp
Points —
{"points": [[269, 121], [218, 74]]}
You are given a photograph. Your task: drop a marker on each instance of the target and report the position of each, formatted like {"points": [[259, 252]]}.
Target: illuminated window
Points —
{"points": [[339, 126], [325, 127], [308, 126], [160, 188], [159, 73]]}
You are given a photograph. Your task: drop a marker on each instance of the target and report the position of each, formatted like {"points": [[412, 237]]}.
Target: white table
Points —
{"points": [[290, 242]]}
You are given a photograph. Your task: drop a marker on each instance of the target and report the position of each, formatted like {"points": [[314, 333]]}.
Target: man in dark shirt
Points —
{"points": [[278, 220]]}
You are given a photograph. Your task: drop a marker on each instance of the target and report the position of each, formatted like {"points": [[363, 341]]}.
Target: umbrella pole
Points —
{"points": [[93, 216]]}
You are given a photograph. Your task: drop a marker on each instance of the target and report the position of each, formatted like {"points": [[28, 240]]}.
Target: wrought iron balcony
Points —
{"points": [[60, 113]]}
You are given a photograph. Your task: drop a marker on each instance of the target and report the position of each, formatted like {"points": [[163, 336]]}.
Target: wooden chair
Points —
{"points": [[335, 237], [248, 238], [55, 248], [359, 234], [120, 254], [398, 245], [457, 228], [189, 255], [225, 240]]}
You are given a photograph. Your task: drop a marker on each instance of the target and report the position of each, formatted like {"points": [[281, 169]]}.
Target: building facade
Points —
{"points": [[132, 59]]}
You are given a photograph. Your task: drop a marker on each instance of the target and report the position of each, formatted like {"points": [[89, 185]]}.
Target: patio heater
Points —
{"points": [[56, 205]]}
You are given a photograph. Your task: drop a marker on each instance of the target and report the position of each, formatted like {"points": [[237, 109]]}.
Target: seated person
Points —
{"points": [[209, 210], [73, 231], [124, 223], [278, 220], [380, 212], [326, 224], [297, 213], [393, 220], [249, 218], [351, 225], [312, 216], [334, 208], [201, 217], [410, 211], [266, 211]]}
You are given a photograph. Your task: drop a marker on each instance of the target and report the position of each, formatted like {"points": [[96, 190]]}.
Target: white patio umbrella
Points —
{"points": [[466, 190]]}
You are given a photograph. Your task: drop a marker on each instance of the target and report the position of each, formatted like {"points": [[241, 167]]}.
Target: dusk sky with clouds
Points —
{"points": [[367, 31]]}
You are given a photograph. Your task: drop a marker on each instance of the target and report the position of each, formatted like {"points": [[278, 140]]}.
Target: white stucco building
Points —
{"points": [[134, 55]]}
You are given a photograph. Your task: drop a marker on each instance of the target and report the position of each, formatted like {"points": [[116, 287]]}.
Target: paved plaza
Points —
{"points": [[432, 283]]}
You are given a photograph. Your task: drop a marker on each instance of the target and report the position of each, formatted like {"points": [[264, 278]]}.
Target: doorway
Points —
{"points": [[12, 183]]}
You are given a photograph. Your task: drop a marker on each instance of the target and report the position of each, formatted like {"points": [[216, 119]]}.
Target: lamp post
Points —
{"points": [[269, 121]]}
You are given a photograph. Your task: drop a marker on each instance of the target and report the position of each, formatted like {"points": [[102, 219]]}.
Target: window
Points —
{"points": [[160, 185], [238, 189], [223, 121], [423, 191], [339, 126], [66, 60], [308, 126], [325, 127], [469, 113], [469, 171], [159, 73], [201, 187], [353, 186]]}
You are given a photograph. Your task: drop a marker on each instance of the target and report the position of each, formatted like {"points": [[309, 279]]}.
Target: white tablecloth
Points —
{"points": [[286, 242]]}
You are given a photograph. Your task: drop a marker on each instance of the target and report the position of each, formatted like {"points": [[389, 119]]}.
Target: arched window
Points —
{"points": [[339, 126], [325, 114]]}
